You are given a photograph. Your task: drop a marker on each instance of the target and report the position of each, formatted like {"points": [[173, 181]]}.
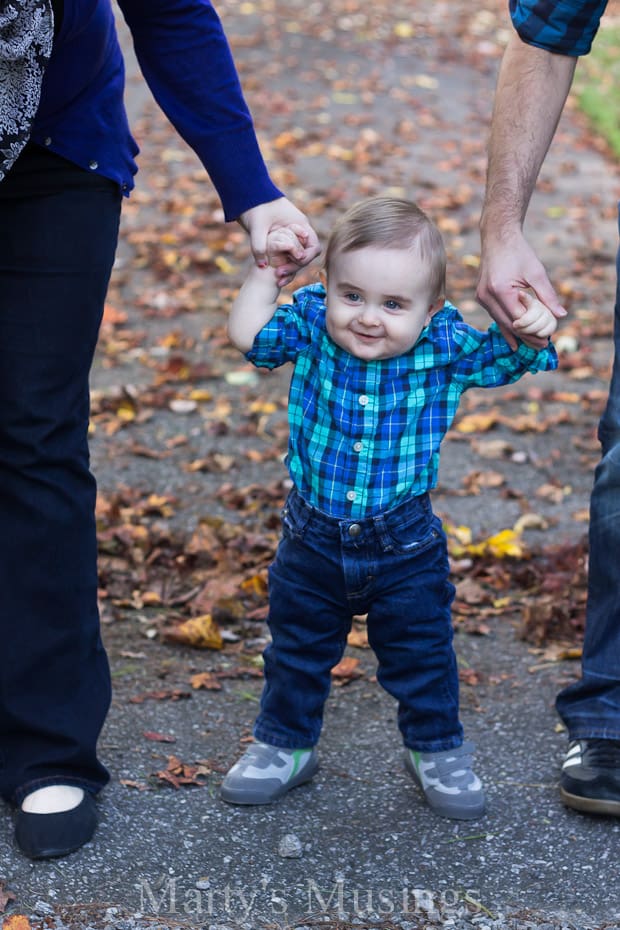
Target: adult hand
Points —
{"points": [[508, 267], [277, 214]]}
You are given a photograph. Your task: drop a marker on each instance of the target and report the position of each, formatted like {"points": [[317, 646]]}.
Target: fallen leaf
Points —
{"points": [[173, 695], [206, 681], [346, 671], [16, 922], [199, 633], [159, 737], [5, 898]]}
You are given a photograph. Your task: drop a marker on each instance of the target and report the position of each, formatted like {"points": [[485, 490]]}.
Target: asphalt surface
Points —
{"points": [[358, 845]]}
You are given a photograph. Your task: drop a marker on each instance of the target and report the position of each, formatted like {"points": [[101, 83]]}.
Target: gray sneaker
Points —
{"points": [[265, 773], [448, 783]]}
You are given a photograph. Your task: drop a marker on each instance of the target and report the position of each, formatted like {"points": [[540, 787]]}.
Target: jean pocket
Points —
{"points": [[416, 536], [292, 526]]}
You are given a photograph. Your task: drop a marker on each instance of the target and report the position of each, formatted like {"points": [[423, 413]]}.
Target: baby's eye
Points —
{"points": [[352, 297], [392, 305]]}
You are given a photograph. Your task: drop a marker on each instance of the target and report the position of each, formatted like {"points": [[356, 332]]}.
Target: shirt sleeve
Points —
{"points": [[567, 27], [486, 359], [186, 60], [286, 334]]}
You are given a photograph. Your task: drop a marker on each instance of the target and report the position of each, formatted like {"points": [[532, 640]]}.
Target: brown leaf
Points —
{"points": [[346, 671], [174, 695], [206, 681], [5, 898], [179, 773], [159, 737]]}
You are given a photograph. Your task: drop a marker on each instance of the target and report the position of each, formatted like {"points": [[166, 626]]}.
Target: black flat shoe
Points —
{"points": [[48, 836]]}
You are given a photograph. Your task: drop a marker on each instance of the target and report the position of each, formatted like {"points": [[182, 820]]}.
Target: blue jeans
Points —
{"points": [[591, 706], [58, 234], [394, 567]]}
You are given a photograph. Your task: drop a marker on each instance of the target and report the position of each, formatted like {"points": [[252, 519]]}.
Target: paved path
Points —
{"points": [[370, 107]]}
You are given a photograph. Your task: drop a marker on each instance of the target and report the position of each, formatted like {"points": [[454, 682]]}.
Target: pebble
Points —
{"points": [[290, 847]]}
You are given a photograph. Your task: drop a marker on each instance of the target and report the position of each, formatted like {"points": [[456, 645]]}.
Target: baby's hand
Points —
{"points": [[286, 248], [537, 320]]}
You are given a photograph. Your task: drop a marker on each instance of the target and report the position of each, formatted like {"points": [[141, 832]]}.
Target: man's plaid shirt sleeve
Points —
{"points": [[567, 27]]}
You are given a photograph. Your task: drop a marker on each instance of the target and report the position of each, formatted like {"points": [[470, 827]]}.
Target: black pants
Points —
{"points": [[58, 235]]}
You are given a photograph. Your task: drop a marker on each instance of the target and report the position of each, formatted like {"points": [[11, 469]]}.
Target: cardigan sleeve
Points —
{"points": [[186, 60]]}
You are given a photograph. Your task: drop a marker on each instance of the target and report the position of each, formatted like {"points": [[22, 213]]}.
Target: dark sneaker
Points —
{"points": [[590, 779], [264, 773], [449, 785]]}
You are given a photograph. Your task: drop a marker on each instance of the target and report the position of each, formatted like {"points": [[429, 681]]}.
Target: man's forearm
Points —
{"points": [[531, 92]]}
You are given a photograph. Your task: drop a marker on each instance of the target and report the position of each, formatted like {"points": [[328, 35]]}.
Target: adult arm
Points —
{"points": [[531, 92], [186, 60]]}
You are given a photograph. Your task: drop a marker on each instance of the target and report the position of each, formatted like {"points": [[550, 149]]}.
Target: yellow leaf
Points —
{"points": [[200, 395], [344, 97], [476, 423], [224, 265], [426, 81], [126, 411], [461, 533], [404, 30], [257, 584], [199, 632], [502, 544]]}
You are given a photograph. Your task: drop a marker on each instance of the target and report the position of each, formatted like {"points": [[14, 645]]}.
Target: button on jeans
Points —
{"points": [[394, 567], [591, 706]]}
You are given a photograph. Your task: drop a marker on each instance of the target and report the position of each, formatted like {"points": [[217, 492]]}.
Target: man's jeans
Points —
{"points": [[58, 233], [591, 706], [394, 567]]}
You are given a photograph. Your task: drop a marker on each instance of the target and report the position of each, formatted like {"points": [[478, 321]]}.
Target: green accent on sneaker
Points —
{"points": [[298, 756], [264, 773]]}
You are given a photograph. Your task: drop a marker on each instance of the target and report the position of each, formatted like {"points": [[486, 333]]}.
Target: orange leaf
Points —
{"points": [[206, 680], [199, 632], [16, 922]]}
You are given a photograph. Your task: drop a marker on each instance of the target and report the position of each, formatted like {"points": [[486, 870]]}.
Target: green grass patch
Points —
{"points": [[597, 84]]}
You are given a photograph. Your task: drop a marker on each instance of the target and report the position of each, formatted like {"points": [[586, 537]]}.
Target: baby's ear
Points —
{"points": [[434, 307]]}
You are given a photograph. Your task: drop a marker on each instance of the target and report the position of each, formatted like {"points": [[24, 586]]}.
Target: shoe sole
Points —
{"points": [[244, 796], [590, 805]]}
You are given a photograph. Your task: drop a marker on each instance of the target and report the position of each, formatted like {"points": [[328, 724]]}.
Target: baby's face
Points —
{"points": [[378, 301]]}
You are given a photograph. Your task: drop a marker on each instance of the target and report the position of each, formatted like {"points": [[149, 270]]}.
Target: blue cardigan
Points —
{"points": [[185, 58]]}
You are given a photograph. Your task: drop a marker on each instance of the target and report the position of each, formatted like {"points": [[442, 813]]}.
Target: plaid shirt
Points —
{"points": [[364, 436], [567, 27]]}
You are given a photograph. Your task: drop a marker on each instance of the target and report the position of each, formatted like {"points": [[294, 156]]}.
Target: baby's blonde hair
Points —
{"points": [[394, 223]]}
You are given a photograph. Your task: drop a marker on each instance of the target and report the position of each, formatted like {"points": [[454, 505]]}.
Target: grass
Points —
{"points": [[597, 85]]}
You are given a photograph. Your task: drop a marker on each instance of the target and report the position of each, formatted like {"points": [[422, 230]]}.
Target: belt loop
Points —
{"points": [[382, 532]]}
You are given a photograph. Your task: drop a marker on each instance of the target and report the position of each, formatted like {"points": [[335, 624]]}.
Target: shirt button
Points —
{"points": [[47, 141], [351, 495], [93, 165], [357, 446], [355, 529], [363, 399]]}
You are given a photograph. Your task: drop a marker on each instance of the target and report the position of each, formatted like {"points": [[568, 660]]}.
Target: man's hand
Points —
{"points": [[275, 215], [508, 268]]}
